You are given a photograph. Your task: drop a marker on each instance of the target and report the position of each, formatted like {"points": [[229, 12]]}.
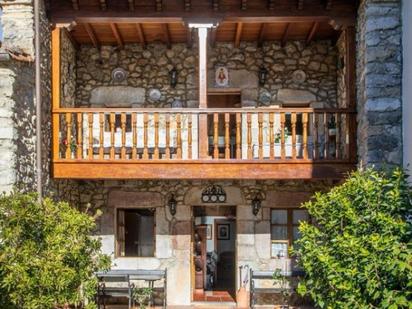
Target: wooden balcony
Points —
{"points": [[258, 143]]}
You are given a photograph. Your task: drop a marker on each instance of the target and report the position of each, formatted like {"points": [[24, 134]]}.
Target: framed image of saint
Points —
{"points": [[222, 76]]}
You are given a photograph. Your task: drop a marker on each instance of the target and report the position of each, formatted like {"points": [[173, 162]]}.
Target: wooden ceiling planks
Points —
{"points": [[177, 32]]}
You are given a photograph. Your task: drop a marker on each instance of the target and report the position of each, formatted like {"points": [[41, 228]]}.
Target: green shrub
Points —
{"points": [[47, 257], [358, 252]]}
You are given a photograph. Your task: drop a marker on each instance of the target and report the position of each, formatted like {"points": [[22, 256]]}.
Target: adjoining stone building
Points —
{"points": [[137, 117]]}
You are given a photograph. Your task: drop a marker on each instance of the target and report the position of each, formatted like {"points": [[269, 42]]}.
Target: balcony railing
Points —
{"points": [[258, 135]]}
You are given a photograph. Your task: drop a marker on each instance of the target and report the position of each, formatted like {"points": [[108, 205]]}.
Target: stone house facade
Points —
{"points": [[87, 82]]}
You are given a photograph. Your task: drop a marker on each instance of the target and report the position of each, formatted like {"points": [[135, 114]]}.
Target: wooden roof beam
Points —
{"points": [[75, 4], [238, 34], [117, 35], [188, 5], [159, 5], [212, 37], [300, 4], [103, 5], [131, 5], [189, 37], [92, 35], [70, 37], [140, 34], [261, 34], [166, 33], [312, 32], [243, 5], [215, 5], [286, 34]]}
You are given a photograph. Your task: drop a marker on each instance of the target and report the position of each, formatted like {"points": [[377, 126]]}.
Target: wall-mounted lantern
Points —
{"points": [[173, 77], [263, 73], [256, 205], [214, 194], [172, 203]]}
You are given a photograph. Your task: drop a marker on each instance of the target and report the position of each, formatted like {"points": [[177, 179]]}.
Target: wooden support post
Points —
{"points": [[56, 86], [203, 138], [350, 79]]}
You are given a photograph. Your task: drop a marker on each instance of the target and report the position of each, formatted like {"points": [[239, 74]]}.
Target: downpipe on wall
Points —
{"points": [[39, 174]]}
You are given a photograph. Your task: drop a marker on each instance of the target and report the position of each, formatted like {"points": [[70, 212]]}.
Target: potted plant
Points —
{"points": [[141, 296], [72, 145], [281, 280]]}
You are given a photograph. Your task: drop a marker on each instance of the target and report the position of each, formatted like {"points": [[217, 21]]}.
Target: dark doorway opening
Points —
{"points": [[214, 253]]}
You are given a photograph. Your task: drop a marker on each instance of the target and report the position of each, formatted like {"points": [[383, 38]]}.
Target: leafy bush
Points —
{"points": [[47, 257], [358, 252]]}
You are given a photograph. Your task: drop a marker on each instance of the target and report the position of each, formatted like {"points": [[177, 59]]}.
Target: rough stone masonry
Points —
{"points": [[379, 83]]}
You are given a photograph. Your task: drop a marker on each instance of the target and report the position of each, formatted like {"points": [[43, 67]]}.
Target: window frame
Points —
{"points": [[289, 229], [117, 253]]}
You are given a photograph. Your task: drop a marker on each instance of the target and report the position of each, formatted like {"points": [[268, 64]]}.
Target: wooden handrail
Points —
{"points": [[201, 110]]}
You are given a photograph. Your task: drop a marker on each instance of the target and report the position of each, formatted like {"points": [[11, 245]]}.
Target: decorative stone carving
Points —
{"points": [[119, 75], [177, 104], [265, 97], [117, 96], [299, 76], [155, 95], [295, 96]]}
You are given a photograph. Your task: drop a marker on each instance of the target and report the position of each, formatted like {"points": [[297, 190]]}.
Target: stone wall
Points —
{"points": [[379, 83], [68, 71], [147, 83], [18, 106], [296, 74], [173, 234], [341, 69]]}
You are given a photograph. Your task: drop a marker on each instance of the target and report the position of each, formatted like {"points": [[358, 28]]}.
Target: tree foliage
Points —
{"points": [[47, 256], [358, 251]]}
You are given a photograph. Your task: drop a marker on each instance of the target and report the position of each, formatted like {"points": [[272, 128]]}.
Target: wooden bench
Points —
{"points": [[126, 277], [268, 275]]}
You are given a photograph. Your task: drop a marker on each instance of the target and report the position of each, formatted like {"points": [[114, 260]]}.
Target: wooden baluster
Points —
{"points": [[112, 127], [315, 136], [227, 136], [238, 135], [145, 136], [90, 150], [69, 135], [156, 125], [293, 121], [338, 136], [282, 136], [56, 126], [326, 135], [305, 135], [249, 136], [79, 136], [272, 135], [134, 133], [260, 137], [179, 136], [101, 136], [123, 126], [167, 151], [189, 137], [216, 136]]}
